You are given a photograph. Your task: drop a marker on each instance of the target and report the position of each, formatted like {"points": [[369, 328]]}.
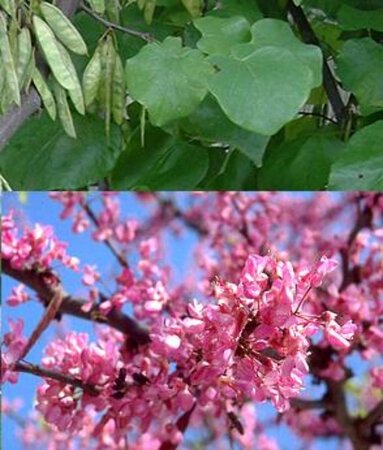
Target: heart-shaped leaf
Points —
{"points": [[261, 91], [168, 79], [360, 66]]}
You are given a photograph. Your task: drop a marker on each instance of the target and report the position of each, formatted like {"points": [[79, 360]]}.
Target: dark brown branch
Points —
{"points": [[372, 418], [305, 404], [338, 398], [108, 242], [139, 34], [329, 81], [363, 220], [46, 284], [14, 118], [170, 210], [26, 367]]}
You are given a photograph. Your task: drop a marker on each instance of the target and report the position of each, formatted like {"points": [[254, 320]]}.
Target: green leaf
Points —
{"points": [[361, 166], [301, 164], [42, 157], [360, 66], [183, 168], [209, 123], [262, 91], [277, 33], [230, 8], [357, 19], [163, 163], [169, 80], [239, 173], [220, 34]]}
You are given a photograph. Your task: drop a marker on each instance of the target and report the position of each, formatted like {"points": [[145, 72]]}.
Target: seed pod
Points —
{"points": [[91, 78], [64, 110], [27, 77], [9, 7], [118, 91], [3, 89], [76, 93], [97, 5], [109, 58], [13, 31], [8, 62], [24, 53], [45, 93], [63, 28], [113, 10], [53, 55], [193, 7], [150, 6]]}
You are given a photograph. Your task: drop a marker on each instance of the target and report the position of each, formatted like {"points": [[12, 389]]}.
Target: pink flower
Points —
{"points": [[90, 275], [338, 336], [18, 296], [15, 343]]}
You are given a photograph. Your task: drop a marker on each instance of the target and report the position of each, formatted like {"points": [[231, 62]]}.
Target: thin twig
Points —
{"points": [[322, 116], [49, 314], [329, 81], [108, 242], [33, 369], [139, 34]]}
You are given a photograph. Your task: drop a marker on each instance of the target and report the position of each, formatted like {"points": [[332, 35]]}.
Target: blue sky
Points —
{"points": [[39, 208]]}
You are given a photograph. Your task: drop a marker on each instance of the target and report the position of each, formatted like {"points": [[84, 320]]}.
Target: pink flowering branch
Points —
{"points": [[108, 242], [33, 369], [46, 285]]}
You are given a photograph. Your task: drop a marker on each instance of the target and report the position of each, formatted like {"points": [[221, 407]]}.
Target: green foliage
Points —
{"points": [[193, 94], [360, 167], [48, 159]]}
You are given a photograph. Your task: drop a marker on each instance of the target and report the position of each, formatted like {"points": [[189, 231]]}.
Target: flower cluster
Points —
{"points": [[259, 311], [36, 247]]}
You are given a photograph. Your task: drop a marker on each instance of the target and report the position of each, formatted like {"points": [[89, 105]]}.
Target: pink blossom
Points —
{"points": [[18, 296], [338, 336], [90, 275]]}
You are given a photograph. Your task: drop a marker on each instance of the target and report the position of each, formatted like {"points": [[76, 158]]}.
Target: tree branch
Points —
{"points": [[139, 34], [338, 397], [14, 118], [305, 404], [372, 418], [26, 367], [363, 220], [329, 81], [46, 284]]}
